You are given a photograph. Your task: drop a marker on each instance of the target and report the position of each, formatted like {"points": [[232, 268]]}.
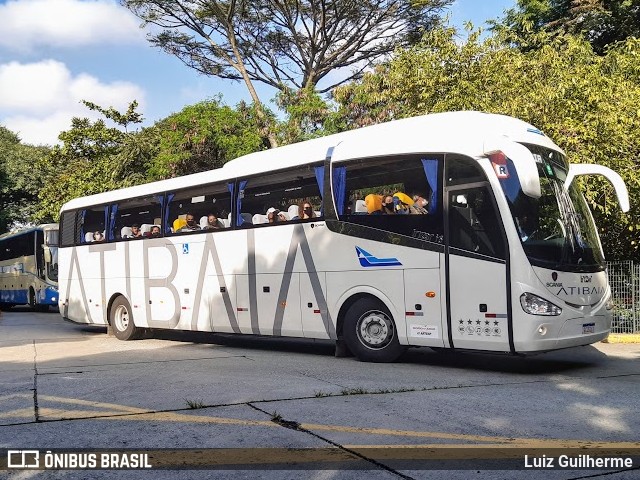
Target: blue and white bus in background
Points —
{"points": [[29, 267], [460, 230]]}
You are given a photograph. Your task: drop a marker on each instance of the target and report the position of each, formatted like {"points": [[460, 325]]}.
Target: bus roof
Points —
{"points": [[449, 132], [44, 226]]}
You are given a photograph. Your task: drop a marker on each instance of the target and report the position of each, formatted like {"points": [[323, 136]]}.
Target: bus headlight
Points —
{"points": [[609, 304], [535, 305]]}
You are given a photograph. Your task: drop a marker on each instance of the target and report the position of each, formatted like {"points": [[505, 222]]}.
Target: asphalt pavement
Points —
{"points": [[246, 407]]}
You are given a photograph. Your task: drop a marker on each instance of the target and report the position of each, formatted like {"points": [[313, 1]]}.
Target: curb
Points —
{"points": [[622, 338]]}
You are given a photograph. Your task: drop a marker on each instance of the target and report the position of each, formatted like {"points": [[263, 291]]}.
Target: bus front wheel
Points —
{"points": [[370, 332], [121, 319]]}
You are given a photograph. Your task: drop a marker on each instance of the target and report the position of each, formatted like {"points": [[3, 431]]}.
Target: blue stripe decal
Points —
{"points": [[367, 260], [19, 297]]}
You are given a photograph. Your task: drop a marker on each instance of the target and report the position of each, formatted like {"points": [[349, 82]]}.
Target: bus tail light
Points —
{"points": [[535, 305]]}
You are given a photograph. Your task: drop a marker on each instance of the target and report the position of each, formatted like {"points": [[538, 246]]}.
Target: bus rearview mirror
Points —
{"points": [[575, 170], [523, 161]]}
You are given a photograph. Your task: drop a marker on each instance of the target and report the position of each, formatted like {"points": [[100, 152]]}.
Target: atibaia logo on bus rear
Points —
{"points": [[368, 260]]}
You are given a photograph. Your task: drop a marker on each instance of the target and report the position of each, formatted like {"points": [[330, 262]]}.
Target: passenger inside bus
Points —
{"points": [[212, 222], [420, 205], [98, 237], [305, 211], [274, 215], [402, 203], [155, 231], [387, 205], [373, 204], [191, 225], [135, 231]]}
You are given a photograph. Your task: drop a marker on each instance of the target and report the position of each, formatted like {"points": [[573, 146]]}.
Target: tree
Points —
{"points": [[204, 136], [601, 22], [286, 44], [20, 180], [587, 103], [93, 158]]}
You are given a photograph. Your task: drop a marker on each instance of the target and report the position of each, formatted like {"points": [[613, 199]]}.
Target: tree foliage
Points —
{"points": [[93, 158], [20, 180], [587, 103], [601, 22], [204, 136]]}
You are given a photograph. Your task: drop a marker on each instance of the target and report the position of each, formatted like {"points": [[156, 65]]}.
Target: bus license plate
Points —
{"points": [[588, 328]]}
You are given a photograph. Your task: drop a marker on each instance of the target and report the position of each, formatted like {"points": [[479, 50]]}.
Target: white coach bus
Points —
{"points": [[459, 230], [29, 267]]}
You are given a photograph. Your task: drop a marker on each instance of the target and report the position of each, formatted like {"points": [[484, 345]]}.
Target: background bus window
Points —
{"points": [[285, 192], [411, 183], [200, 202], [474, 224], [93, 222], [17, 247], [142, 213]]}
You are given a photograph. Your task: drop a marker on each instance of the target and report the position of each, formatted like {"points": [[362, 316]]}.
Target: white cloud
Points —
{"points": [[28, 24], [38, 100]]}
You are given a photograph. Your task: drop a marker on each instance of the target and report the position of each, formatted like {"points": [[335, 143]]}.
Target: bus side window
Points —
{"points": [[280, 198], [67, 229], [138, 214], [399, 194], [460, 170], [93, 223], [474, 223], [209, 205]]}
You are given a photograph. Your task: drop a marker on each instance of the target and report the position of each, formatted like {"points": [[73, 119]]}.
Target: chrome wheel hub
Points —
{"points": [[121, 318], [375, 329]]}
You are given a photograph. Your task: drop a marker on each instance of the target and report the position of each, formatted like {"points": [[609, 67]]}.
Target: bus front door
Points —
{"points": [[476, 270]]}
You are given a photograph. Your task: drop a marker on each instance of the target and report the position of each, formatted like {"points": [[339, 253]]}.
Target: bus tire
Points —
{"points": [[370, 332], [32, 299], [5, 306], [121, 320]]}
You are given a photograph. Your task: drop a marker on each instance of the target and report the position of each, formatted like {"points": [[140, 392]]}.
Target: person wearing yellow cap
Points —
{"points": [[373, 203], [402, 202]]}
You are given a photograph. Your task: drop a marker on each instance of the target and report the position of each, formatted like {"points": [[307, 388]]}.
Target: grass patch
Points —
{"points": [[354, 391], [194, 404]]}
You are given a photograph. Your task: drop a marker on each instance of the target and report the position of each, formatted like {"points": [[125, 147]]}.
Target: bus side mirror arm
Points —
{"points": [[523, 162], [47, 254], [576, 170]]}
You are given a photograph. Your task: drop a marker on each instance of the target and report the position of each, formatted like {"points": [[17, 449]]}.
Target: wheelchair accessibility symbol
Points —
{"points": [[185, 248]]}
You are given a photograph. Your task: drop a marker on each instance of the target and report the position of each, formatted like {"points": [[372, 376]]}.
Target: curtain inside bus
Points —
{"points": [[340, 187], [112, 223], [431, 171], [167, 225]]}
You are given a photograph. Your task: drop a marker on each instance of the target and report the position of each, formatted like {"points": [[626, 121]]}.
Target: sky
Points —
{"points": [[55, 53]]}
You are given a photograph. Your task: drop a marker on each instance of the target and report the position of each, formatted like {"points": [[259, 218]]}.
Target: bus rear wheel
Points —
{"points": [[33, 303], [121, 320], [370, 332], [32, 299]]}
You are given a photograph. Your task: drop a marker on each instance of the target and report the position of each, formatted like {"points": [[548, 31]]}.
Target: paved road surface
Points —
{"points": [[70, 386]]}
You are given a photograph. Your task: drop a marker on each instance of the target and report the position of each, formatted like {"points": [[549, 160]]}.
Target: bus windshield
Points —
{"points": [[556, 230]]}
